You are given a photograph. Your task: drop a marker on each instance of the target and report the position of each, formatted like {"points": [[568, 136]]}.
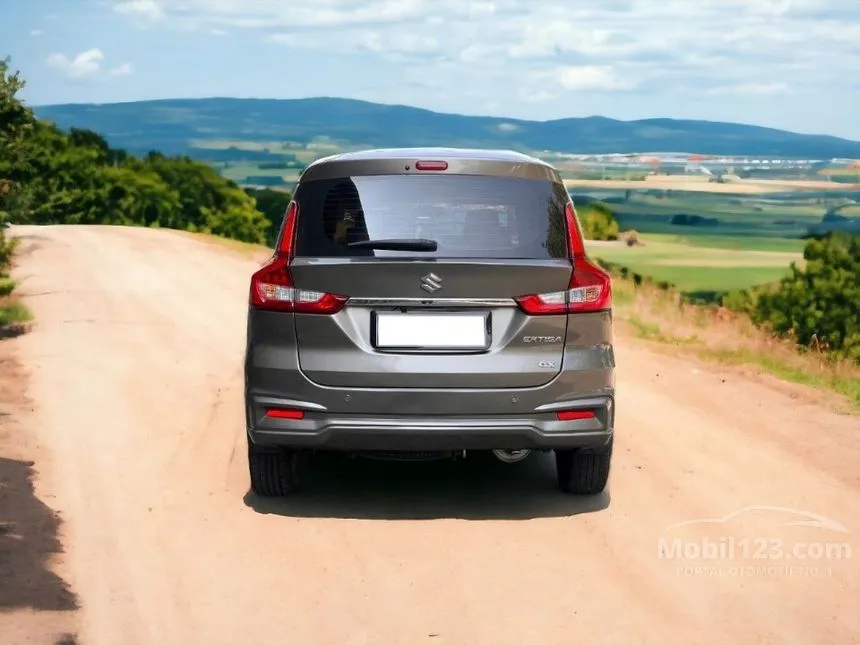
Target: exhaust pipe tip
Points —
{"points": [[511, 456]]}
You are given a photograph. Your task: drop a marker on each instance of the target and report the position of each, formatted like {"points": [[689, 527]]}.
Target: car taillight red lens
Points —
{"points": [[272, 287], [590, 287]]}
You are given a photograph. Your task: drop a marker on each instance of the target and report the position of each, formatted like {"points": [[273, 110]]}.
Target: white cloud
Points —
{"points": [[591, 77], [544, 38], [87, 64], [483, 52], [147, 8], [394, 45], [399, 42], [36, 32], [315, 13]]}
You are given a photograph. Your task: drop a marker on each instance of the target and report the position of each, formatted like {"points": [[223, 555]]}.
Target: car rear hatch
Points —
{"points": [[426, 279]]}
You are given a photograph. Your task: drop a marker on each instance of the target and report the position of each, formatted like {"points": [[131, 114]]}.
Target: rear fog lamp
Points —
{"points": [[575, 415], [285, 413]]}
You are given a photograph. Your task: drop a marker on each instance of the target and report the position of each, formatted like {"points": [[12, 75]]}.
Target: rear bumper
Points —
{"points": [[398, 412], [358, 432]]}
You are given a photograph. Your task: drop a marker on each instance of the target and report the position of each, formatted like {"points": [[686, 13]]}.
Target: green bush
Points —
{"points": [[7, 248], [820, 304], [740, 300], [15, 122], [273, 204], [7, 286], [598, 222]]}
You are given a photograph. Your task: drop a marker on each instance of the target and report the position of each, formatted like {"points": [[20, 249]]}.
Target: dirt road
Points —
{"points": [[136, 425]]}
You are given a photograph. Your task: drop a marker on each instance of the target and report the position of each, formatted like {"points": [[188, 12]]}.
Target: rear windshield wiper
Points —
{"points": [[396, 245]]}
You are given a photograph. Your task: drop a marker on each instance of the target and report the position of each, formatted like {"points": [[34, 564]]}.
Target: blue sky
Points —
{"points": [[790, 64]]}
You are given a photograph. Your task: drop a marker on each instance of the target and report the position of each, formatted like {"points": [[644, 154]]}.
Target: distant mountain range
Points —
{"points": [[172, 125]]}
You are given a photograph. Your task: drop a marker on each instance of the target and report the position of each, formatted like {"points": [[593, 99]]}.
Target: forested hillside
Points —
{"points": [[178, 125]]}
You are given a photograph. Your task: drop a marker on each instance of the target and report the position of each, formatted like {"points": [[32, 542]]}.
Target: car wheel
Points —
{"points": [[274, 473], [581, 472]]}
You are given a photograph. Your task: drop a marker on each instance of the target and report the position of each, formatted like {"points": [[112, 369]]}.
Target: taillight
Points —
{"points": [[590, 287], [272, 287], [287, 240]]}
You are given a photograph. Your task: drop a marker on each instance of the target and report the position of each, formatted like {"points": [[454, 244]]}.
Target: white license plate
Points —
{"points": [[431, 331]]}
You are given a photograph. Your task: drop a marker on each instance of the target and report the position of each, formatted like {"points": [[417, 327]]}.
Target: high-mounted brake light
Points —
{"points": [[272, 287], [431, 165], [590, 287]]}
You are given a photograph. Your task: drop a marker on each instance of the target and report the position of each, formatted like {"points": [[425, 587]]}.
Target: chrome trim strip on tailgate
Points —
{"points": [[431, 302]]}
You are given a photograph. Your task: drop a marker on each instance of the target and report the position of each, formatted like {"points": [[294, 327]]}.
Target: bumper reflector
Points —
{"points": [[575, 415], [285, 413]]}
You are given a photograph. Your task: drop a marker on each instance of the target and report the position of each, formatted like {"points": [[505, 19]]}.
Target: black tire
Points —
{"points": [[274, 473], [581, 472]]}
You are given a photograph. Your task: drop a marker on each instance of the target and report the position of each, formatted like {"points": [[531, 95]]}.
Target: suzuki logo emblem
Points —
{"points": [[431, 282]]}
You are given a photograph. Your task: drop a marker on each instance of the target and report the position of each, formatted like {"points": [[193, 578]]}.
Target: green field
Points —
{"points": [[704, 263], [731, 243], [777, 215], [712, 242]]}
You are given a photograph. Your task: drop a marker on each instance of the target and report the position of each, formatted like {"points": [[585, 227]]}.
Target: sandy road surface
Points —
{"points": [[135, 381]]}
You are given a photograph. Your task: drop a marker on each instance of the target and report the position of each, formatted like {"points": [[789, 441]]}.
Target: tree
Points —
{"points": [[819, 303], [598, 222], [15, 121], [273, 204]]}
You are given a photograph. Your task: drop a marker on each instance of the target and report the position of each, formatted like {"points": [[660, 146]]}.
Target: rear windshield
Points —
{"points": [[468, 216]]}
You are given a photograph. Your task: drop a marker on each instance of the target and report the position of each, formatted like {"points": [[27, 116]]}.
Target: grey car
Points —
{"points": [[423, 303]]}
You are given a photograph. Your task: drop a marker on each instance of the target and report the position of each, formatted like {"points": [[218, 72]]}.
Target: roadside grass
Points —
{"points": [[13, 313], [7, 286], [717, 335]]}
